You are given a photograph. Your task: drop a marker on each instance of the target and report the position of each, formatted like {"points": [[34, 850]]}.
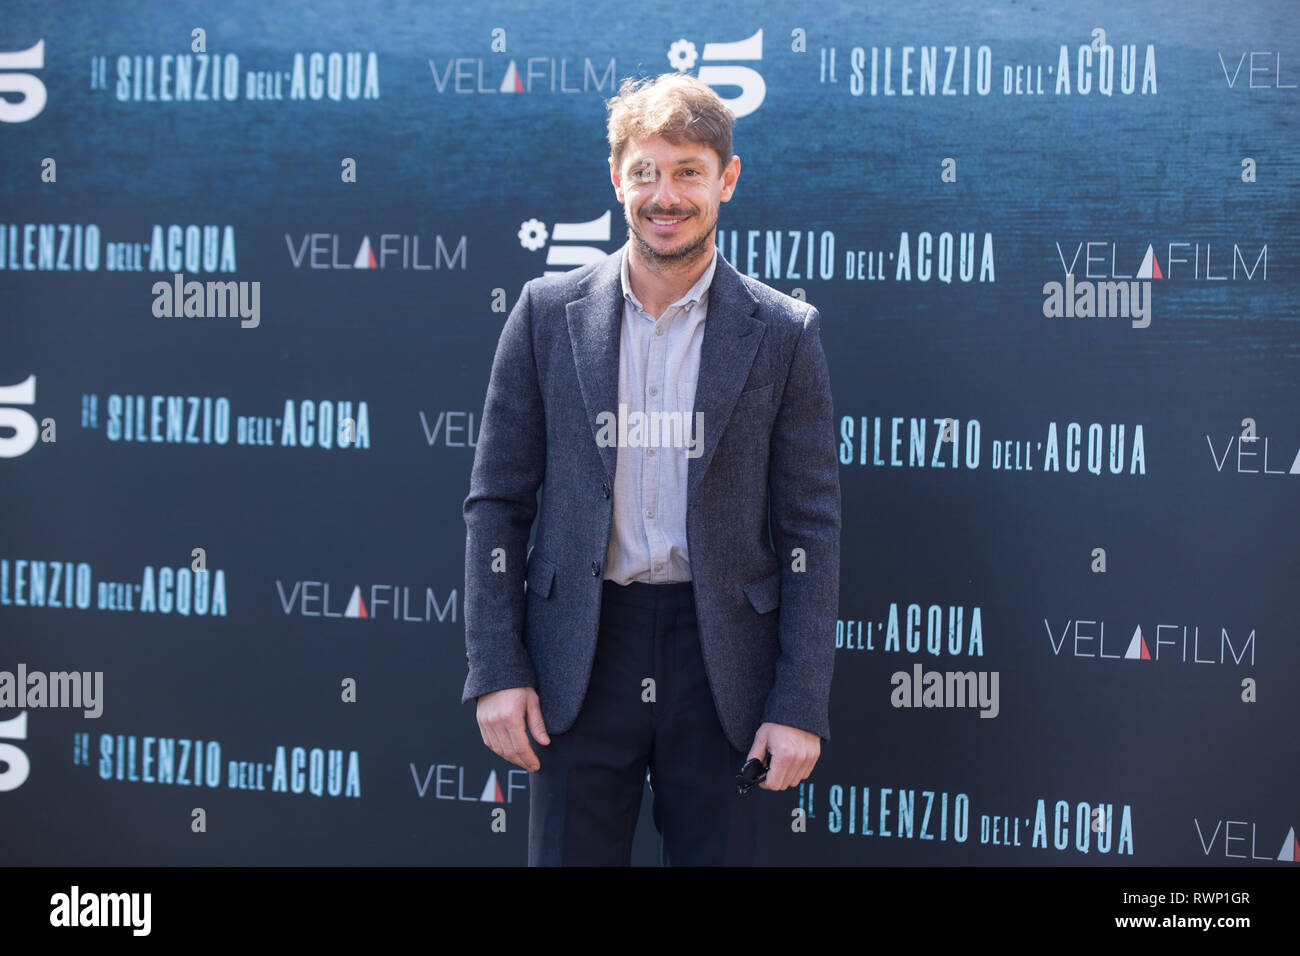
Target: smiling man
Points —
{"points": [[681, 589]]}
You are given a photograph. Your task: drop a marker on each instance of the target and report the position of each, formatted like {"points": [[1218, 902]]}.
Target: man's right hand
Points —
{"points": [[501, 718]]}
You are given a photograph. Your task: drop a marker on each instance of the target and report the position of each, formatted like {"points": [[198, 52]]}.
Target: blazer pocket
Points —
{"points": [[765, 593], [764, 390], [541, 576]]}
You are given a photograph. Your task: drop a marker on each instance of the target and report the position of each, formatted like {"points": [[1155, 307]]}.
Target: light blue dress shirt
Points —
{"points": [[658, 367]]}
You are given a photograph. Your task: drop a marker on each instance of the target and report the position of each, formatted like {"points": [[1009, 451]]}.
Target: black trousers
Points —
{"points": [[648, 705]]}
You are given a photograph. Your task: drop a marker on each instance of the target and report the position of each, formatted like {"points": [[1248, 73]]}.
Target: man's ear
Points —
{"points": [[731, 171], [615, 179]]}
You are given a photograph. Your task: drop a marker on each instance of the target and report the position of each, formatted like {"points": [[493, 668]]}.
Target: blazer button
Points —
{"points": [[595, 570], [604, 489]]}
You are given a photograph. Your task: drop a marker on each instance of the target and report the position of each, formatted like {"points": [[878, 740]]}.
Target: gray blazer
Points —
{"points": [[766, 600]]}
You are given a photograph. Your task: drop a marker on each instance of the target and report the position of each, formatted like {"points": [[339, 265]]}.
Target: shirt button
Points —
{"points": [[653, 390], [650, 452], [649, 512], [659, 330]]}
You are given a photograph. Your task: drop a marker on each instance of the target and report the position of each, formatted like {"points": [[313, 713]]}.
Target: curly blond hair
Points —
{"points": [[677, 107]]}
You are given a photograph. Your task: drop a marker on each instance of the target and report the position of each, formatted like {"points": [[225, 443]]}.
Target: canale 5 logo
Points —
{"points": [[534, 235], [682, 56], [29, 87], [17, 427]]}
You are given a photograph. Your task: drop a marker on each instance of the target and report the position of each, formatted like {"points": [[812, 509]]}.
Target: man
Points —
{"points": [[681, 595]]}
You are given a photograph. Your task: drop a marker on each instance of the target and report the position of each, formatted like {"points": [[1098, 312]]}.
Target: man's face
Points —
{"points": [[671, 195]]}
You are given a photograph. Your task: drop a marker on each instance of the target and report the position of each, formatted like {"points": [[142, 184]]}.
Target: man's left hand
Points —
{"points": [[794, 754]]}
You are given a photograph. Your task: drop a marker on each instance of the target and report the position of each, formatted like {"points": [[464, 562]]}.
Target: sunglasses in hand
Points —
{"points": [[753, 773]]}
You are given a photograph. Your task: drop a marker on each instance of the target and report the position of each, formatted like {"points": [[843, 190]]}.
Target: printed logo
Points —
{"points": [[13, 759], [1254, 447], [953, 444], [61, 584], [186, 762], [682, 56], [533, 236], [395, 250], [78, 247], [1098, 289], [1234, 837], [540, 74], [20, 424], [445, 781], [1096, 68], [207, 420], [201, 77], [377, 601], [911, 637], [910, 814], [28, 87], [1088, 639]]}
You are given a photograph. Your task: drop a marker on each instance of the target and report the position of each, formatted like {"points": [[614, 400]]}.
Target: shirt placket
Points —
{"points": [[653, 458]]}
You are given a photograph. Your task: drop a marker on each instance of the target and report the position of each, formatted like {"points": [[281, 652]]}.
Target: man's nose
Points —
{"points": [[666, 195]]}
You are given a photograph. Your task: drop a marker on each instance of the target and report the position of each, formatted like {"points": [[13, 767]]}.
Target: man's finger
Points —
{"points": [[519, 744], [759, 747], [494, 740], [776, 774], [503, 747], [536, 726], [802, 774]]}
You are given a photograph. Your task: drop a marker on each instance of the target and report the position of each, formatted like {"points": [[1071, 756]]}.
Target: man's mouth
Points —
{"points": [[667, 222]]}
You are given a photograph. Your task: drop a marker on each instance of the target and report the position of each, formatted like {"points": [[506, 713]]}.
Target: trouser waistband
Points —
{"points": [[642, 594]]}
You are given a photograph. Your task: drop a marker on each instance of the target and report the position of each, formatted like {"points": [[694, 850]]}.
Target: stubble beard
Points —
{"points": [[677, 259]]}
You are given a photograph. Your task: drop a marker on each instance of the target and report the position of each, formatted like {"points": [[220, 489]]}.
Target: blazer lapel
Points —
{"points": [[731, 339], [595, 326]]}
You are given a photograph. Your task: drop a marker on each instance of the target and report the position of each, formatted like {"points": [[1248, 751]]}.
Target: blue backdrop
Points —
{"points": [[1054, 253]]}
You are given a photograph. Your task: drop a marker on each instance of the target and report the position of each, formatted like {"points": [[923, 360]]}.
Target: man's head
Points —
{"points": [[671, 161]]}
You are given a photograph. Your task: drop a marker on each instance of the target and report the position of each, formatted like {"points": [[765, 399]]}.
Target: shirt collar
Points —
{"points": [[694, 294]]}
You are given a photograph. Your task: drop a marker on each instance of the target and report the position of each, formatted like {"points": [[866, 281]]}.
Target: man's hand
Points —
{"points": [[794, 754], [501, 716]]}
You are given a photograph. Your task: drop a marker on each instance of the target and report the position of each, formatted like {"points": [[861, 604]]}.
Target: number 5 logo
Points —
{"points": [[753, 89], [22, 423], [17, 766], [31, 88]]}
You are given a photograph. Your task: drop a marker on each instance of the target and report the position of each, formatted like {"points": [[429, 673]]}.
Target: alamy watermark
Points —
{"points": [[651, 430], [208, 300], [1098, 300], [56, 689], [75, 908], [924, 688]]}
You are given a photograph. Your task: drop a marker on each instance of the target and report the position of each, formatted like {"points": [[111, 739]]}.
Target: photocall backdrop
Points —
{"points": [[1054, 252]]}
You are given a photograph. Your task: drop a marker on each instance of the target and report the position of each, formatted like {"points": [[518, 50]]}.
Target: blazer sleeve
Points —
{"points": [[509, 464], [804, 495]]}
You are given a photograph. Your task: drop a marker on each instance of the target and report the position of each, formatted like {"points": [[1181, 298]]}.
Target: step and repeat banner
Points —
{"points": [[254, 262]]}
